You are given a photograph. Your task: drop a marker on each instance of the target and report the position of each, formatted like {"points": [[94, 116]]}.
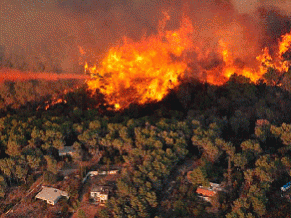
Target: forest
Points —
{"points": [[238, 134], [173, 96]]}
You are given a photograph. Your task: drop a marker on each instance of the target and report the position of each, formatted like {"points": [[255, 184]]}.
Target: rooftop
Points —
{"points": [[288, 184], [66, 150], [101, 188], [51, 194], [205, 192]]}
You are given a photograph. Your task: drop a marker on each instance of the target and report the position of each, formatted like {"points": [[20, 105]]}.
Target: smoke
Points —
{"points": [[45, 35], [272, 17], [251, 6], [16, 75]]}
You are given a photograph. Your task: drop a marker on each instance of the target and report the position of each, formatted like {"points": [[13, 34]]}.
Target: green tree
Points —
{"points": [[284, 133], [205, 140], [239, 123], [13, 148], [262, 130], [51, 164], [21, 173], [7, 167], [81, 213], [240, 160], [33, 161], [3, 186], [198, 176]]}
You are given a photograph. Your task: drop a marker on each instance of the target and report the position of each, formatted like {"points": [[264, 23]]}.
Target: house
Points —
{"points": [[113, 172], [100, 193], [51, 195], [207, 193], [216, 187], [96, 173], [67, 150]]}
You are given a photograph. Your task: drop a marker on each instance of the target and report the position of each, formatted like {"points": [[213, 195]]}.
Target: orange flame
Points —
{"points": [[53, 102], [284, 47], [230, 68], [285, 44], [145, 71], [140, 72], [278, 62]]}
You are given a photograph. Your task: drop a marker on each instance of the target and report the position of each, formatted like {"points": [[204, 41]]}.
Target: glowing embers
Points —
{"points": [[53, 102]]}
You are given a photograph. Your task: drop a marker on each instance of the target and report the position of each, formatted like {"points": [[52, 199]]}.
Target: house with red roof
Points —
{"points": [[207, 193]]}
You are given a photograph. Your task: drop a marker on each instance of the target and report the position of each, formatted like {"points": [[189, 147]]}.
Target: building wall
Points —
{"points": [[99, 196]]}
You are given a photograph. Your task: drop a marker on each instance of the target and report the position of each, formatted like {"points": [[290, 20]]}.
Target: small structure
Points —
{"points": [[286, 187], [113, 172], [67, 150], [51, 195], [216, 187], [100, 193], [285, 190], [207, 193], [96, 173]]}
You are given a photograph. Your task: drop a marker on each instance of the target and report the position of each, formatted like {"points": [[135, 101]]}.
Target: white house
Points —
{"points": [[100, 193], [113, 172], [51, 195]]}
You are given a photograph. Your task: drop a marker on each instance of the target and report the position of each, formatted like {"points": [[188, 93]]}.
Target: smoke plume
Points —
{"points": [[16, 75], [45, 35]]}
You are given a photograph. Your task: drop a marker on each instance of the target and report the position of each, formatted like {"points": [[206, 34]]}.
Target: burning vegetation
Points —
{"points": [[201, 94], [138, 72], [145, 71], [163, 44]]}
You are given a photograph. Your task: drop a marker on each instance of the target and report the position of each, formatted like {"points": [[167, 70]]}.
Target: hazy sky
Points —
{"points": [[50, 31]]}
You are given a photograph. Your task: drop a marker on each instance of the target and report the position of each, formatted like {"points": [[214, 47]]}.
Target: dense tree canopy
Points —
{"points": [[238, 134]]}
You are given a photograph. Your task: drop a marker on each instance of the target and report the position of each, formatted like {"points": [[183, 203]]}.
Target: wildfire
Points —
{"points": [[53, 102], [284, 47], [140, 72], [14, 75], [230, 68], [278, 62], [145, 71], [285, 44]]}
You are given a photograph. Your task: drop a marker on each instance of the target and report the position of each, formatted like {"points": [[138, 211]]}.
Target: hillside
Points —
{"points": [[237, 134]]}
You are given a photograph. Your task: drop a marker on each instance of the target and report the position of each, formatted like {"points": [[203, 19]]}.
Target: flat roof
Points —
{"points": [[66, 150], [101, 188], [51, 194]]}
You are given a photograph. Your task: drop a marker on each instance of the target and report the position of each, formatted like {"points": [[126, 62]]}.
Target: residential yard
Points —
{"points": [[87, 208], [25, 204], [22, 202], [29, 209], [13, 198]]}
